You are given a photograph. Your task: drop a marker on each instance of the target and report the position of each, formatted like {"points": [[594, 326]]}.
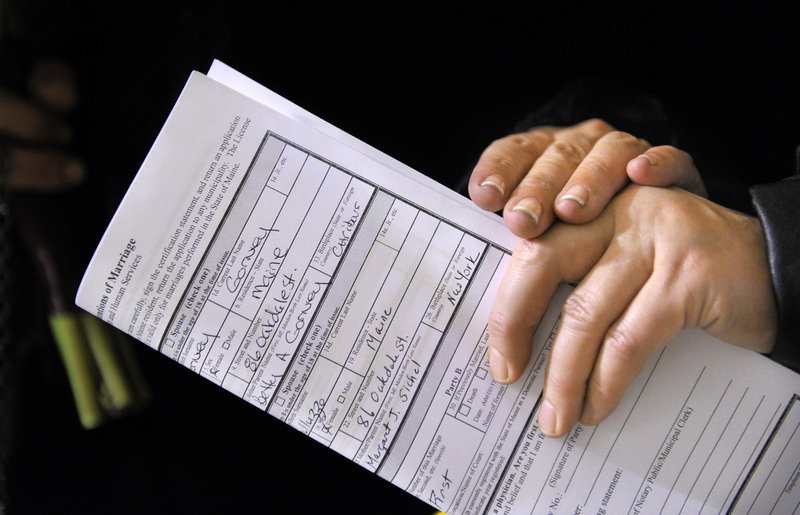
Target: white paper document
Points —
{"points": [[330, 286]]}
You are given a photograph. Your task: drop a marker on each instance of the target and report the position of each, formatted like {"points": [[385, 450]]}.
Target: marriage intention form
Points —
{"points": [[346, 294]]}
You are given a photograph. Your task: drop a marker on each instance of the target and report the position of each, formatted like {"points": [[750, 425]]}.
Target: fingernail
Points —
{"points": [[578, 194], [530, 207], [496, 182], [648, 158], [497, 366], [547, 418]]}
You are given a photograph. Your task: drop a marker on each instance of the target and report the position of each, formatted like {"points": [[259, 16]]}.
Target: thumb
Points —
{"points": [[666, 166]]}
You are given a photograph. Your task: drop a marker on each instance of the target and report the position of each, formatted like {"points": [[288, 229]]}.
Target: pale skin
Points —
{"points": [[570, 173], [650, 261]]}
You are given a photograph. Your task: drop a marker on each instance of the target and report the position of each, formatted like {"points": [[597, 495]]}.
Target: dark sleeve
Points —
{"points": [[778, 207]]}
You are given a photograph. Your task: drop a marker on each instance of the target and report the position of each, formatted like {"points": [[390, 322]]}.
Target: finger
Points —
{"points": [[529, 210], [650, 322], [37, 170], [534, 272], [588, 312], [53, 83], [503, 164], [666, 166], [528, 284], [599, 177], [25, 121]]}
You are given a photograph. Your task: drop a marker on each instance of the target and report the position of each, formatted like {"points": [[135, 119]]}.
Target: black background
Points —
{"points": [[430, 86]]}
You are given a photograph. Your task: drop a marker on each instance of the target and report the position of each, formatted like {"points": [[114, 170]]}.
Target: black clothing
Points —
{"points": [[778, 207]]}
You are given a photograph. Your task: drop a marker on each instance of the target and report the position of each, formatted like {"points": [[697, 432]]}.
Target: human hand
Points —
{"points": [[657, 260], [35, 135], [571, 173]]}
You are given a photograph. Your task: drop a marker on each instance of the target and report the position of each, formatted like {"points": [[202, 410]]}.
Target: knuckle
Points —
{"points": [[669, 150], [539, 140], [564, 383], [498, 324], [666, 154], [579, 139], [498, 159], [603, 398], [624, 139], [680, 169], [621, 345], [539, 135], [531, 144], [597, 125], [566, 151], [524, 141], [673, 156], [577, 310], [534, 253], [596, 166], [540, 183]]}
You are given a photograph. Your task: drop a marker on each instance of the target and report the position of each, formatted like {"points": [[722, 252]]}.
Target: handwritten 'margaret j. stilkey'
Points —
{"points": [[347, 295]]}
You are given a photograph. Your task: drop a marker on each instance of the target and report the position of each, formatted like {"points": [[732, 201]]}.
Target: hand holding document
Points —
{"points": [[348, 295]]}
